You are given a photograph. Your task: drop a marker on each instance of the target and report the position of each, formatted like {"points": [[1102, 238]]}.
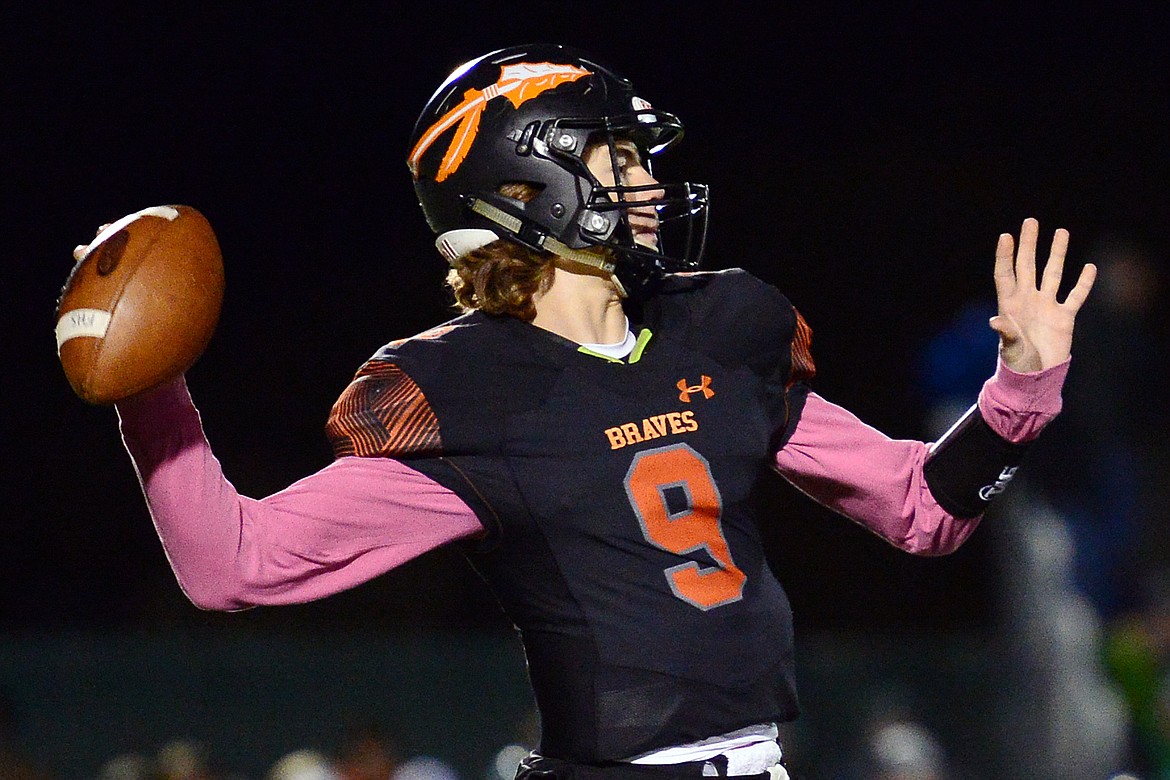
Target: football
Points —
{"points": [[141, 303]]}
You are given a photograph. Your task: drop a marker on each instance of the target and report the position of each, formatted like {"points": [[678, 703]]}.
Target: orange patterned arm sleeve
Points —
{"points": [[383, 412]]}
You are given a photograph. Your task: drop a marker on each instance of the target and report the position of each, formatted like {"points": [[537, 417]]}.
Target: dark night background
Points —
{"points": [[862, 159]]}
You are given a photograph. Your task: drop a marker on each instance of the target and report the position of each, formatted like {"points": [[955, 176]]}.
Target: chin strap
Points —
{"points": [[515, 227]]}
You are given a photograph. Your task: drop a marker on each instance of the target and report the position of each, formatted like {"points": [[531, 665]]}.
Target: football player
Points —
{"points": [[590, 428]]}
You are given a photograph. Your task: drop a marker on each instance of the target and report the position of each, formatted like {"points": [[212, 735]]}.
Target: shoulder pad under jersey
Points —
{"points": [[384, 411], [738, 319]]}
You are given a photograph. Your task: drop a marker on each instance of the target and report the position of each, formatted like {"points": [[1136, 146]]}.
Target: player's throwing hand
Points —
{"points": [[1035, 329]]}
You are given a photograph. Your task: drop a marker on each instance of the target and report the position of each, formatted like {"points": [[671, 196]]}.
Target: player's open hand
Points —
{"points": [[1035, 329]]}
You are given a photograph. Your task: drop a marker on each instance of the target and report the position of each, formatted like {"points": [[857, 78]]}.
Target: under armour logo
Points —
{"points": [[987, 492], [703, 387]]}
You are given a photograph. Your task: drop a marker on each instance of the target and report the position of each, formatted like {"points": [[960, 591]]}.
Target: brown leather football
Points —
{"points": [[141, 303]]}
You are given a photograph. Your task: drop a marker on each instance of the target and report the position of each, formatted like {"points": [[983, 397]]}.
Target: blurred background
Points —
{"points": [[863, 159]]}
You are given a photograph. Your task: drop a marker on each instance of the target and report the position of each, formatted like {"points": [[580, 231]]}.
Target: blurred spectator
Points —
{"points": [[955, 363], [525, 738], [184, 759], [904, 750], [1096, 466], [366, 753], [1137, 655], [303, 765], [424, 768], [129, 766], [894, 743], [506, 761], [897, 748]]}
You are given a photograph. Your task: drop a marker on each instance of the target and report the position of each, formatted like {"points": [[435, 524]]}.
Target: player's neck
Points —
{"points": [[584, 308]]}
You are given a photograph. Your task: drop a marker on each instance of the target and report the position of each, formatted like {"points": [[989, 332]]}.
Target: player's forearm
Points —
{"points": [[879, 482], [351, 521], [870, 478], [195, 510]]}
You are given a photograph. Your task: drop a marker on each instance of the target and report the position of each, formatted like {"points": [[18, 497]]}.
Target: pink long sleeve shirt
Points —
{"points": [[360, 517]]}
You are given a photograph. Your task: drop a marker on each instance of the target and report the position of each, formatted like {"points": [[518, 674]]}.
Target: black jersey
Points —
{"points": [[615, 494]]}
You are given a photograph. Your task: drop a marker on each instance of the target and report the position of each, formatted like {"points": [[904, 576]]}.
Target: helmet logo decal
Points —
{"points": [[518, 83]]}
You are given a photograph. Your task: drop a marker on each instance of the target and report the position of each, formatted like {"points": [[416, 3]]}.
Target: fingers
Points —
{"points": [[1054, 268], [1009, 275], [80, 250], [1080, 292], [1026, 256], [1005, 271]]}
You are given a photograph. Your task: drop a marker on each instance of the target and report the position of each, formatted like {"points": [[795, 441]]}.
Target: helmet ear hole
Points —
{"points": [[523, 191]]}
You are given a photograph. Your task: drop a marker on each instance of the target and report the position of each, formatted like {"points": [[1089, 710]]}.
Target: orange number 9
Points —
{"points": [[691, 526]]}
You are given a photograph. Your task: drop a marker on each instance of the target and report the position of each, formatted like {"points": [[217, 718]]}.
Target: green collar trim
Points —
{"points": [[635, 354], [586, 351], [640, 345]]}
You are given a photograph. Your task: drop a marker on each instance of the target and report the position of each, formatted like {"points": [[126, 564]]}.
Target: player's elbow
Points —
{"points": [[213, 594], [938, 536], [217, 604]]}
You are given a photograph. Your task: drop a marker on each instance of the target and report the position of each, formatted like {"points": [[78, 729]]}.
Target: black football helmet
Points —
{"points": [[526, 114]]}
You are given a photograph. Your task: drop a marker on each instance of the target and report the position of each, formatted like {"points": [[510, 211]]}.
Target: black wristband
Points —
{"points": [[970, 465]]}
